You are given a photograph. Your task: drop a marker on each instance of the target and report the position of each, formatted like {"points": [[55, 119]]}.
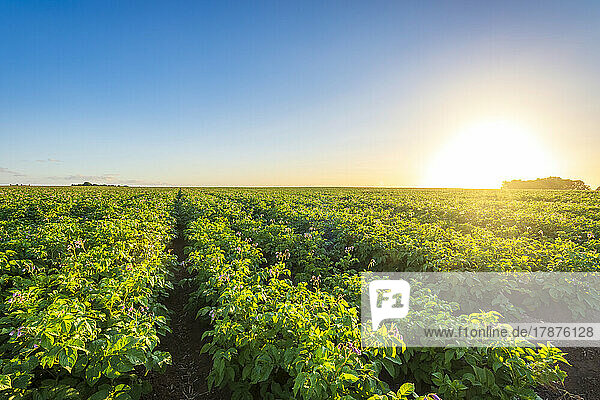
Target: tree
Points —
{"points": [[552, 182]]}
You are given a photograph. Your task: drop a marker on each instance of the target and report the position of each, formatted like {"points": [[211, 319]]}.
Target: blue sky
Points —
{"points": [[283, 93]]}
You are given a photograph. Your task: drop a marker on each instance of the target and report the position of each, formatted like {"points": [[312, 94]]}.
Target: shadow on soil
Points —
{"points": [[186, 378], [583, 376]]}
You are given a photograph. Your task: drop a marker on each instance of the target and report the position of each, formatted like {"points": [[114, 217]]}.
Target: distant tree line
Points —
{"points": [[552, 182], [94, 184]]}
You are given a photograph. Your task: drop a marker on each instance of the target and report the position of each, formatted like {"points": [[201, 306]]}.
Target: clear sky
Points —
{"points": [[369, 93]]}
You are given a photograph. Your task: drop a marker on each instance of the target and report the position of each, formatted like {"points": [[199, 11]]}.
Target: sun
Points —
{"points": [[484, 154]]}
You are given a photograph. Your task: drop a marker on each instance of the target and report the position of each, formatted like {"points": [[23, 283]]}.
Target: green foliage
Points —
{"points": [[80, 274], [272, 264], [276, 272]]}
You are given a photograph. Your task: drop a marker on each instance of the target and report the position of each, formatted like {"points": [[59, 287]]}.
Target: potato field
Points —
{"points": [[93, 281]]}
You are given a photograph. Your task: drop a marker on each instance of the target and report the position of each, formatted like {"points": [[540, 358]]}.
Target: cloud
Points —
{"points": [[49, 160], [105, 178], [6, 171], [113, 179]]}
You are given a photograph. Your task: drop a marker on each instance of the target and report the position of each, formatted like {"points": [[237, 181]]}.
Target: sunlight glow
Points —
{"points": [[487, 153]]}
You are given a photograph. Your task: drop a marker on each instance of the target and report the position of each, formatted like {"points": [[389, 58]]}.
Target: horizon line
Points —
{"points": [[265, 187]]}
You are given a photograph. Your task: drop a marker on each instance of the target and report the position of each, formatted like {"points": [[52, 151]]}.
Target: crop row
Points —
{"points": [[80, 275], [280, 276], [397, 240], [276, 271]]}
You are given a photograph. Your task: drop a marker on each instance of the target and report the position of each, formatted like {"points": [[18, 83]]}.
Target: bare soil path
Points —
{"points": [[583, 376], [186, 378]]}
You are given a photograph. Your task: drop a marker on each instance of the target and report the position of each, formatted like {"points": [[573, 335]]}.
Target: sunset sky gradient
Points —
{"points": [[306, 93]]}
